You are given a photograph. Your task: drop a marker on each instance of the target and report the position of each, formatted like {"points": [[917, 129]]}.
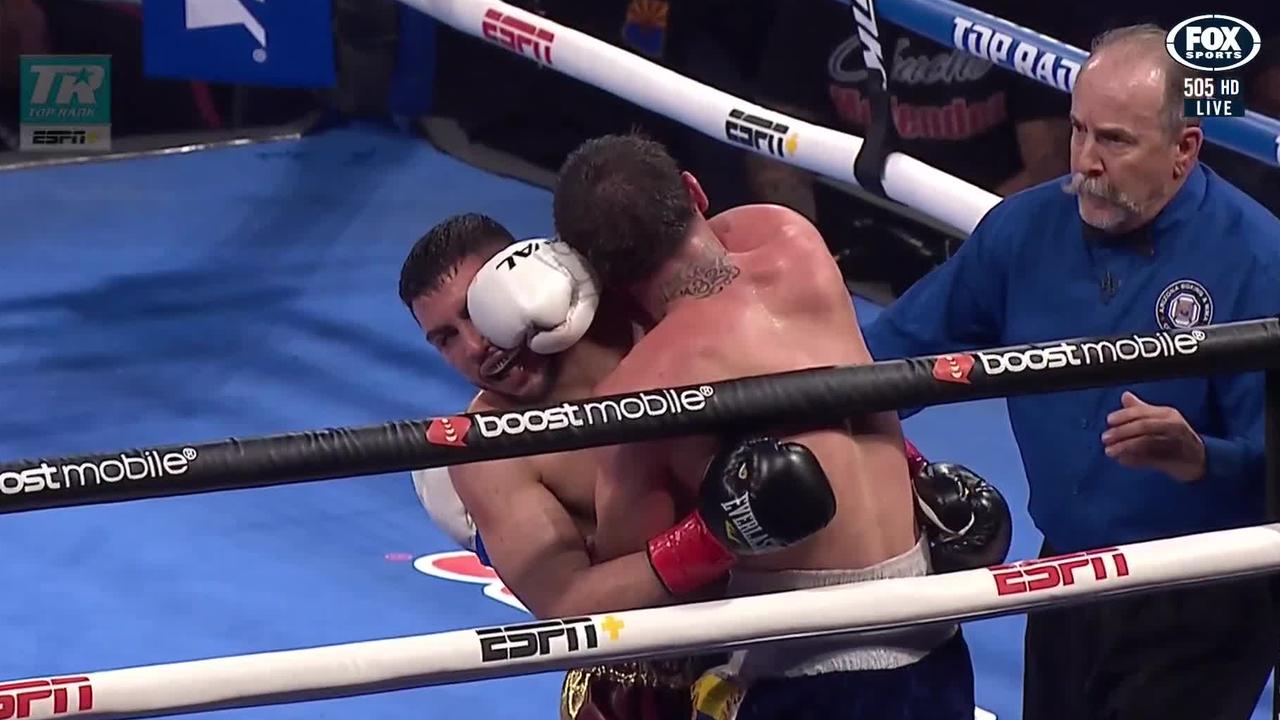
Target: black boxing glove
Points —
{"points": [[966, 519], [757, 496]]}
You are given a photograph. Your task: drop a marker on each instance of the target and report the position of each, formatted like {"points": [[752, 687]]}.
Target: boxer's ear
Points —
{"points": [[696, 195]]}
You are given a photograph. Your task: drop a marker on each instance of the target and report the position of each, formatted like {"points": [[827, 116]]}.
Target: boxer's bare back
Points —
{"points": [[775, 302]]}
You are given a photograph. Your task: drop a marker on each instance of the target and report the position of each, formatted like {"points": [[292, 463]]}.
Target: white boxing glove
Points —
{"points": [[435, 491], [539, 292]]}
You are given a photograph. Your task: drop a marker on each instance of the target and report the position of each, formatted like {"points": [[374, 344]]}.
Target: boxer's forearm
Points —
{"points": [[623, 583]]}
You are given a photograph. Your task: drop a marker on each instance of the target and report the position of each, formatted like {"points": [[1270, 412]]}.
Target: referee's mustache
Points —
{"points": [[1081, 184]]}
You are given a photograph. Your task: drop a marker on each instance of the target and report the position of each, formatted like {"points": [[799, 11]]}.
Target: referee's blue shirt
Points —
{"points": [[1031, 272]]}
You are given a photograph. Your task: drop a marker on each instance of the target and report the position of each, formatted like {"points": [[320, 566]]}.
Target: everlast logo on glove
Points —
{"points": [[524, 251], [582, 414], [743, 526]]}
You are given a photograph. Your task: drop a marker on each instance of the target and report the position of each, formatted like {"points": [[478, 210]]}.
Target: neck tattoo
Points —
{"points": [[701, 279]]}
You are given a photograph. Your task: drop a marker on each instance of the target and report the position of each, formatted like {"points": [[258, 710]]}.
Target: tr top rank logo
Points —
{"points": [[65, 102]]}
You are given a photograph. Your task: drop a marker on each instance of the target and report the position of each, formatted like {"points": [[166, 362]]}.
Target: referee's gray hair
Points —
{"points": [[1152, 39]]}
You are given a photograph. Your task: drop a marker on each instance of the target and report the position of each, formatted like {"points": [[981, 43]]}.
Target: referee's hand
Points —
{"points": [[1140, 435]]}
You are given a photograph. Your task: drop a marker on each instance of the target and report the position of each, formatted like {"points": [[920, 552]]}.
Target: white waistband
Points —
{"points": [[869, 651], [912, 563]]}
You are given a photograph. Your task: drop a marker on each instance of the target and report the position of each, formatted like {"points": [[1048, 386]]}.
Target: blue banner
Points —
{"points": [[413, 83], [287, 43], [1053, 63]]}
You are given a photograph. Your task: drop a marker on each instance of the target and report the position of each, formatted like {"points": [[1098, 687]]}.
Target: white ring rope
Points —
{"points": [[707, 110], [456, 656]]}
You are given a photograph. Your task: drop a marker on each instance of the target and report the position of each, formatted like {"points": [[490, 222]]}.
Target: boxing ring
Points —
{"points": [[508, 650], [814, 396]]}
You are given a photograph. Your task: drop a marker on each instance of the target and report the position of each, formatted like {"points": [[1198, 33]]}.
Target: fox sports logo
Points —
{"points": [[1213, 43]]}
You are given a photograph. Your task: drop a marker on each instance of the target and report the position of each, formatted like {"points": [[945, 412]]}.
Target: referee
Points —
{"points": [[1140, 238]]}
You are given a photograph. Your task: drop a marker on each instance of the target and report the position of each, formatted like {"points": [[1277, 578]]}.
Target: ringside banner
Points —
{"points": [[286, 43]]}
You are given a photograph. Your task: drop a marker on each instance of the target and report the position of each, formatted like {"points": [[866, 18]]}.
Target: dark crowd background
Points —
{"points": [[801, 57]]}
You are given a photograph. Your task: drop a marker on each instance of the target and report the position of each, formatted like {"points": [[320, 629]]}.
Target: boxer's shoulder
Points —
{"points": [[472, 473], [638, 368], [562, 473], [754, 212], [767, 229]]}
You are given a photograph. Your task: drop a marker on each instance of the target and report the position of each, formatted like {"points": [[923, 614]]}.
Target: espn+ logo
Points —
{"points": [[1213, 43], [549, 637]]}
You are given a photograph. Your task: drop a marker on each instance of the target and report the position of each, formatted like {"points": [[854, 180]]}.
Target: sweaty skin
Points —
{"points": [[537, 518], [774, 302], [536, 514]]}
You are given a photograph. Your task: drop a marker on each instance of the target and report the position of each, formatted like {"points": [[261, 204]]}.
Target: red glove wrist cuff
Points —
{"points": [[687, 556], [915, 460]]}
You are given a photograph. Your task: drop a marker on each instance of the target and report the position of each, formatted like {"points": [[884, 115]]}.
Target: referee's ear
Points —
{"points": [[1187, 151]]}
